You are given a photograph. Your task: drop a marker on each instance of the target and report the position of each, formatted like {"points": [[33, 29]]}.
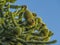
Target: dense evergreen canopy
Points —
{"points": [[22, 27]]}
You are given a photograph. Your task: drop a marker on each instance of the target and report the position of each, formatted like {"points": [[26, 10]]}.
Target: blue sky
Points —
{"points": [[49, 11]]}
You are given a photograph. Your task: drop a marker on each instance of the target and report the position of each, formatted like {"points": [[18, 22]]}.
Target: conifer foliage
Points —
{"points": [[22, 27]]}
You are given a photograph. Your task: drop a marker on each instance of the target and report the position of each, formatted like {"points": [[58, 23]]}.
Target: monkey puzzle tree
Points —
{"points": [[22, 27]]}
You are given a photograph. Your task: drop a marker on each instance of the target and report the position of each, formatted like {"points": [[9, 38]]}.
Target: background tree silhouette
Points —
{"points": [[22, 27]]}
